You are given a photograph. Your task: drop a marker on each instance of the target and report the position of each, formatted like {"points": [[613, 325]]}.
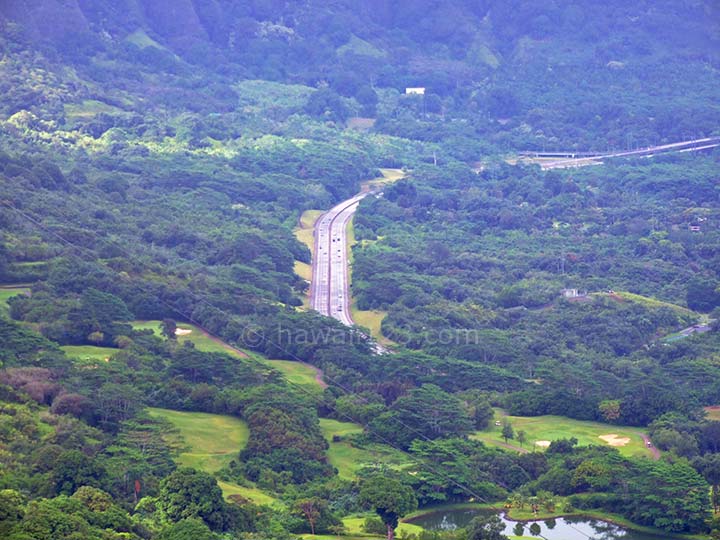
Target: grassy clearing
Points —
{"points": [[652, 302], [304, 270], [388, 177], [140, 39], [147, 325], [197, 336], [295, 372], [349, 459], [210, 441], [309, 217], [354, 527], [254, 494], [211, 438], [393, 174], [351, 241], [89, 353], [550, 428], [89, 108], [304, 230], [360, 123], [6, 293], [372, 319], [256, 96], [331, 537]]}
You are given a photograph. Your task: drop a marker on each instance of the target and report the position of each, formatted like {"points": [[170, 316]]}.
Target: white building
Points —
{"points": [[573, 293]]}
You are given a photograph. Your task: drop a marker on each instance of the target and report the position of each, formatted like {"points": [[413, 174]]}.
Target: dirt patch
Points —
{"points": [[182, 331], [613, 440], [357, 122], [713, 412], [542, 444]]}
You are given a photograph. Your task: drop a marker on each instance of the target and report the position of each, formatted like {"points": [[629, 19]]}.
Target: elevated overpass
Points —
{"points": [[562, 159]]}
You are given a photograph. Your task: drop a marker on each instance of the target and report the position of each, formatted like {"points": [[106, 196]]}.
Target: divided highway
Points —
{"points": [[330, 286], [582, 159]]}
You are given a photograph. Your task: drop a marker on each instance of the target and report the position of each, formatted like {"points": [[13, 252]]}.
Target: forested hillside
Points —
{"points": [[155, 159]]}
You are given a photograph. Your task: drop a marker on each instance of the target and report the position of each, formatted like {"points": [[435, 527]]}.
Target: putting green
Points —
{"points": [[544, 429], [90, 353]]}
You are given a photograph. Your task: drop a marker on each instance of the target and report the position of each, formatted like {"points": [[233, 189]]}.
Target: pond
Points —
{"points": [[575, 528]]}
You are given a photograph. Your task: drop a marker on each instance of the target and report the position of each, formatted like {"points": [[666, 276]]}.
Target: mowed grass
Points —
{"points": [[210, 439], [89, 108], [349, 459], [304, 230], [354, 529], [388, 177], [254, 494], [6, 293], [209, 443], [372, 319], [304, 270], [651, 302], [294, 372], [201, 340], [551, 428], [354, 526], [89, 353], [298, 373], [147, 325]]}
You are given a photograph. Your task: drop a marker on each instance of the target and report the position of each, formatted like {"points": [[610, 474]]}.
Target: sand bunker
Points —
{"points": [[613, 440], [542, 444], [182, 331]]}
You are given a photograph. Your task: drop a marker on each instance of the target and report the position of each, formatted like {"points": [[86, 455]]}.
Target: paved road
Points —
{"points": [[684, 146], [330, 287]]}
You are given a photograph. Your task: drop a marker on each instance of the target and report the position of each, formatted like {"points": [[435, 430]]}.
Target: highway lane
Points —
{"points": [[683, 146], [330, 287]]}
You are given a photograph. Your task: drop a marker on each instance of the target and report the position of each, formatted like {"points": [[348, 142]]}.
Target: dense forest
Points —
{"points": [[155, 161]]}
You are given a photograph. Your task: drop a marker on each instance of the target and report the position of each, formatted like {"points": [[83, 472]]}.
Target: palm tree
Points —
{"points": [[518, 500], [546, 499], [534, 504]]}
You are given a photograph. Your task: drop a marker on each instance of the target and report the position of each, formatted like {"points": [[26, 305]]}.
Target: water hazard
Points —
{"points": [[551, 529]]}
